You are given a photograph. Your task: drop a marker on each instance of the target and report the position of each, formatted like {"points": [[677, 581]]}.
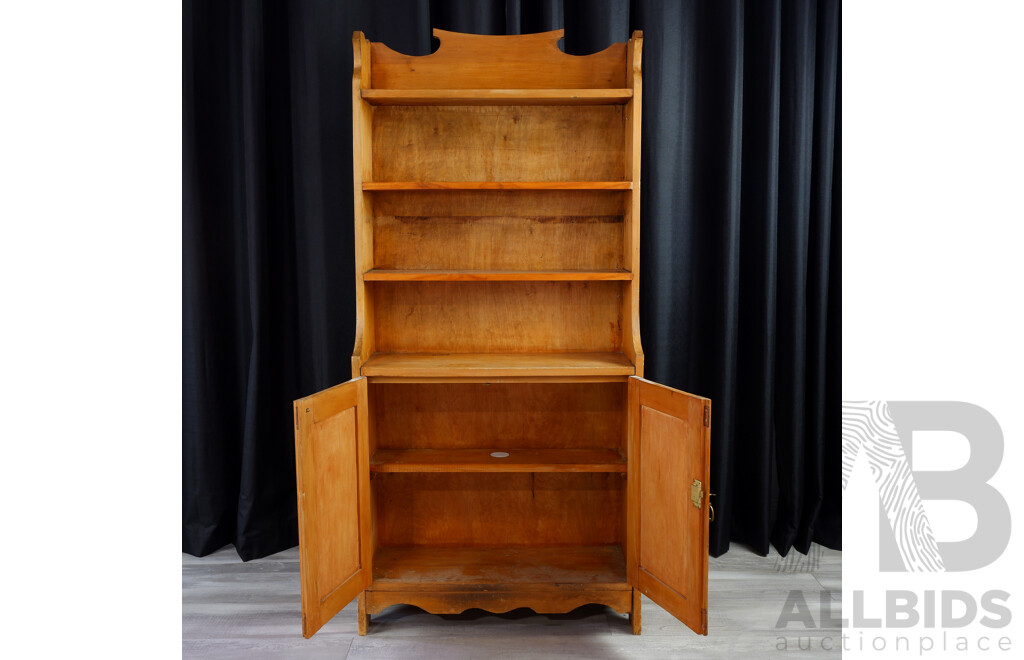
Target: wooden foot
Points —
{"points": [[634, 615], [362, 616]]}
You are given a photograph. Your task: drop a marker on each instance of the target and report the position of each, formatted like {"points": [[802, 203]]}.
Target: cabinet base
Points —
{"points": [[623, 601]]}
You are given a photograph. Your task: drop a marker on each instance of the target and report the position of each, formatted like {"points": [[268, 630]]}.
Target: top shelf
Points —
{"points": [[497, 96], [496, 185]]}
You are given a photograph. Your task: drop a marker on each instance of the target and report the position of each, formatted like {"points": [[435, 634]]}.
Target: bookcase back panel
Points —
{"points": [[495, 243], [499, 203], [499, 510], [495, 317], [498, 143], [499, 230], [499, 415]]}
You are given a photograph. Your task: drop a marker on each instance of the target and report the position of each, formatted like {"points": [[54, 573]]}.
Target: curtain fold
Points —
{"points": [[740, 290]]}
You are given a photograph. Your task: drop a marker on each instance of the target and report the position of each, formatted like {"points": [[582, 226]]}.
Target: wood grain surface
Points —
{"points": [[502, 569], [498, 510], [483, 460], [467, 61], [422, 275], [497, 202], [507, 416], [498, 317], [498, 143], [497, 96], [493, 365]]}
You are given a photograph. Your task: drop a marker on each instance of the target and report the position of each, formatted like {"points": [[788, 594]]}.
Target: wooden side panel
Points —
{"points": [[498, 143], [631, 235], [495, 317], [527, 61], [332, 477], [362, 170], [667, 557], [517, 416], [498, 510]]}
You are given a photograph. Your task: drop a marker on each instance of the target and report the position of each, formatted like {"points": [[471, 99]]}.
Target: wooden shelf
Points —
{"points": [[384, 275], [596, 567], [417, 366], [481, 460], [497, 96], [496, 185]]}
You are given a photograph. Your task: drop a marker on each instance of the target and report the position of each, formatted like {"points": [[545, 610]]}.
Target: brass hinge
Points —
{"points": [[697, 493], [707, 415]]}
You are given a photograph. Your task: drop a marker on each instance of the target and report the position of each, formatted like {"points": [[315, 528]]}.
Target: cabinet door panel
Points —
{"points": [[333, 480], [667, 552]]}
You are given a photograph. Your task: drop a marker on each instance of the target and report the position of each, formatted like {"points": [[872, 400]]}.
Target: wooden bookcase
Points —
{"points": [[497, 446]]}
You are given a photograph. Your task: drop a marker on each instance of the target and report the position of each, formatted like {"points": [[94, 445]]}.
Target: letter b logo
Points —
{"points": [[883, 430]]}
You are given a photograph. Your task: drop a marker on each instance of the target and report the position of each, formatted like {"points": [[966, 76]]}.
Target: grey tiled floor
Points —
{"points": [[250, 610]]}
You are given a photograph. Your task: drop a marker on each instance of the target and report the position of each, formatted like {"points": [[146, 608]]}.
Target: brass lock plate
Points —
{"points": [[697, 493]]}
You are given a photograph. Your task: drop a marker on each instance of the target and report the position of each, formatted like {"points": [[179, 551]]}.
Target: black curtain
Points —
{"points": [[740, 276]]}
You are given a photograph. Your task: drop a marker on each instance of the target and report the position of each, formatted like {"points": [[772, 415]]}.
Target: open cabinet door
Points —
{"points": [[667, 517], [333, 479]]}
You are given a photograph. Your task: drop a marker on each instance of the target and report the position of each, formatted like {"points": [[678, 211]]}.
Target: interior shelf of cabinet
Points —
{"points": [[497, 96], [497, 460], [370, 186], [551, 568], [386, 275], [424, 367]]}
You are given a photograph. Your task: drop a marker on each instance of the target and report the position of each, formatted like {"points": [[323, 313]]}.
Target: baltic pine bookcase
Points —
{"points": [[497, 446]]}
